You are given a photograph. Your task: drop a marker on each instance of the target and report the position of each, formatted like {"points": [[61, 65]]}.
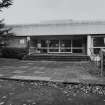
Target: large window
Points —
{"points": [[58, 46]]}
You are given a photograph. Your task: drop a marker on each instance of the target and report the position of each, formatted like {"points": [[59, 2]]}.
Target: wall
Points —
{"points": [[17, 42]]}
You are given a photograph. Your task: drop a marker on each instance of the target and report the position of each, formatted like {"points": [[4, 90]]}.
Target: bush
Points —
{"points": [[14, 52]]}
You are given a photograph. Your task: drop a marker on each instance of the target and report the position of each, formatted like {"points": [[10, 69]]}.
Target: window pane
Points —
{"points": [[77, 50], [99, 42], [65, 50], [53, 45], [65, 43], [54, 50], [77, 43], [65, 46], [44, 43]]}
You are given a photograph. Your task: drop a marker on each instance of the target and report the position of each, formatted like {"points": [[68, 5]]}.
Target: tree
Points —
{"points": [[4, 31], [5, 4]]}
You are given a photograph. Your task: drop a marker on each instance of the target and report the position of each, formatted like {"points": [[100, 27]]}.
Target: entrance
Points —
{"points": [[68, 45], [60, 46]]}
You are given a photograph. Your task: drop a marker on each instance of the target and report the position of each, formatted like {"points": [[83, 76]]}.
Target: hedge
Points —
{"points": [[14, 52]]}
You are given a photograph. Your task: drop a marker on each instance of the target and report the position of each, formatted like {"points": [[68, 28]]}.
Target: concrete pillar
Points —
{"points": [[89, 45], [28, 44]]}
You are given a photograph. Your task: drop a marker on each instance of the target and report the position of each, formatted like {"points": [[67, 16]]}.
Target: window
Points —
{"points": [[53, 45], [65, 45], [58, 46], [77, 46], [99, 42], [22, 41]]}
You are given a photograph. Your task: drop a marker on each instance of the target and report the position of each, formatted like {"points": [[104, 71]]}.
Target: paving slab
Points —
{"points": [[18, 71], [77, 72], [30, 77]]}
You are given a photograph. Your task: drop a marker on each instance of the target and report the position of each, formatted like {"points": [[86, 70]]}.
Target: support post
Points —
{"points": [[28, 44], [89, 45], [47, 46]]}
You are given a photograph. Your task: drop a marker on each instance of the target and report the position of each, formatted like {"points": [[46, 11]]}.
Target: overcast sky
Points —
{"points": [[32, 11]]}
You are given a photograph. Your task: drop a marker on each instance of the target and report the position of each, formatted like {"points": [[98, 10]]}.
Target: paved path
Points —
{"points": [[77, 72]]}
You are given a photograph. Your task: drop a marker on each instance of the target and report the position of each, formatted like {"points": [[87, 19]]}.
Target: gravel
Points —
{"points": [[50, 93]]}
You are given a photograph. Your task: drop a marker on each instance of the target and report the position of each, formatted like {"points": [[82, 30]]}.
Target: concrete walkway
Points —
{"points": [[72, 72]]}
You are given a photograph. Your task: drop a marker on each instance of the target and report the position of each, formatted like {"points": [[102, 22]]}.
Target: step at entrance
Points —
{"points": [[57, 57]]}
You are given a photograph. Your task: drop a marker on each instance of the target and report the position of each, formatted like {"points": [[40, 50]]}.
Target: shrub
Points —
{"points": [[14, 52]]}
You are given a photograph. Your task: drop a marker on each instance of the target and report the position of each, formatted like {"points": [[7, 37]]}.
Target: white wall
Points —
{"points": [[89, 45]]}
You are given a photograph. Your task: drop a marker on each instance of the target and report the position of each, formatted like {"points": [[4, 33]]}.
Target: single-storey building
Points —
{"points": [[62, 38]]}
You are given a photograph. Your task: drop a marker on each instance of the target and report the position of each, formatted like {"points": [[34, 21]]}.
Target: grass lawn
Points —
{"points": [[49, 93]]}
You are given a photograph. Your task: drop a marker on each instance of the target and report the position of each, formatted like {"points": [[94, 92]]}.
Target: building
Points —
{"points": [[62, 38]]}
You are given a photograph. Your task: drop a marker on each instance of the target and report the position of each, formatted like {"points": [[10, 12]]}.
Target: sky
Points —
{"points": [[33, 11]]}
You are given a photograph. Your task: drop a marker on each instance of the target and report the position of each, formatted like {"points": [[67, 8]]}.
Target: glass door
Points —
{"points": [[60, 46]]}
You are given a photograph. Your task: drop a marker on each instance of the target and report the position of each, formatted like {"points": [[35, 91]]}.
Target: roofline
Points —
{"points": [[83, 34], [64, 22]]}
